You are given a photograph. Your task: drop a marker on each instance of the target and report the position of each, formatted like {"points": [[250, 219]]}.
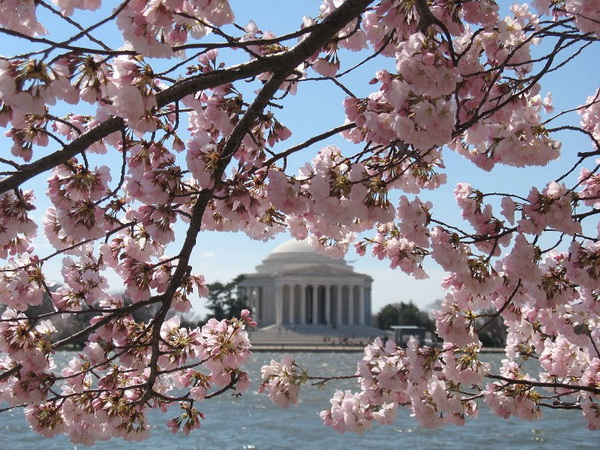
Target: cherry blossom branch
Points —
{"points": [[308, 143], [113, 314], [502, 309], [567, 406], [373, 55], [68, 248], [80, 144], [329, 27], [83, 32], [522, 382], [478, 115], [86, 331], [249, 42], [279, 62], [591, 212], [224, 389], [426, 19], [40, 40], [66, 44], [321, 381]]}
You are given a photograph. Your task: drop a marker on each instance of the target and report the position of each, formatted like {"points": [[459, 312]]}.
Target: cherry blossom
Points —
{"points": [[282, 380], [131, 135]]}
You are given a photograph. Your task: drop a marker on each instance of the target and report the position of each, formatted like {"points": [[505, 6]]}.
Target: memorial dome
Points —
{"points": [[295, 254]]}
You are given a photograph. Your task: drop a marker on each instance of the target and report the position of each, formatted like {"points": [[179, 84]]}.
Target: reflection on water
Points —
{"points": [[253, 422]]}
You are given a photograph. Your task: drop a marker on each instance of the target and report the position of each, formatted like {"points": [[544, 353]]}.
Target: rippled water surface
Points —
{"points": [[253, 422]]}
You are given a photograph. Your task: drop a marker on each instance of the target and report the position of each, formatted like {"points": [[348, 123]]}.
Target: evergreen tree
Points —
{"points": [[224, 301], [403, 314]]}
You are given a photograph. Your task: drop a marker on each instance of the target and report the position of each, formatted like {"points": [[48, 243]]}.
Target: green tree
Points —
{"points": [[388, 316], [491, 329], [403, 314], [224, 301]]}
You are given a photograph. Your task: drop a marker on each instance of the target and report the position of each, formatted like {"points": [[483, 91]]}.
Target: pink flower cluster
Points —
{"points": [[154, 27], [22, 283], [116, 408], [75, 192], [282, 380], [17, 229], [20, 16], [416, 106], [431, 382], [350, 413]]}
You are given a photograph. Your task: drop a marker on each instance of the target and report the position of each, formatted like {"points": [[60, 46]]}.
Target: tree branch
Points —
{"points": [[291, 59], [282, 63], [531, 383]]}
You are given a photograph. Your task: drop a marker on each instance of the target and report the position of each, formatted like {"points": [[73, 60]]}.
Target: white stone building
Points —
{"points": [[296, 286]]}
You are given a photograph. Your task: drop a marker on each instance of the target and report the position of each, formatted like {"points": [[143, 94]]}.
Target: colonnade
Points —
{"points": [[306, 303]]}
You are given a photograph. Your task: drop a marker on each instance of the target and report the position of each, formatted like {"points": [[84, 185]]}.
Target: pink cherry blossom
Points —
{"points": [[282, 380], [179, 124]]}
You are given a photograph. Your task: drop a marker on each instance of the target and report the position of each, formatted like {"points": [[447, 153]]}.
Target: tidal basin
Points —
{"points": [[252, 421]]}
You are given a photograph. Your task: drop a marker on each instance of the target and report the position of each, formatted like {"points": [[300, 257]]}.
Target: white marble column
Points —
{"points": [[279, 304], [327, 304], [291, 304], [315, 304], [340, 305], [303, 304], [351, 305], [254, 300], [361, 305]]}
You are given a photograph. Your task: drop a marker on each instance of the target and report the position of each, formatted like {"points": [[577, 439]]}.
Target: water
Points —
{"points": [[253, 422]]}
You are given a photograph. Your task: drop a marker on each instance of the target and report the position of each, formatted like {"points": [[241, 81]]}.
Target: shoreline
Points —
{"points": [[323, 348]]}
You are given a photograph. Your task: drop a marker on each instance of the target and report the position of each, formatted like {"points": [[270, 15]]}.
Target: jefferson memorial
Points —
{"points": [[294, 285]]}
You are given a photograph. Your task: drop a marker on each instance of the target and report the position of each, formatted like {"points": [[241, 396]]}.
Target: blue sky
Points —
{"points": [[317, 108]]}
